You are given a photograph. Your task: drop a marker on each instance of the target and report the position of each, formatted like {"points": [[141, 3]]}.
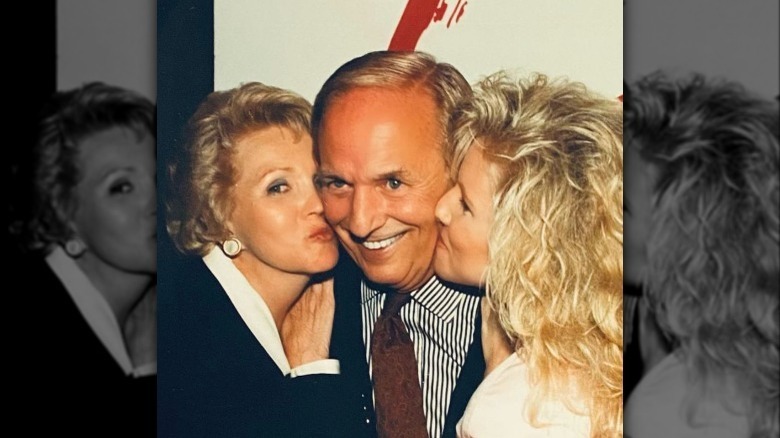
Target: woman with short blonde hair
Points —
{"points": [[199, 204], [246, 213]]}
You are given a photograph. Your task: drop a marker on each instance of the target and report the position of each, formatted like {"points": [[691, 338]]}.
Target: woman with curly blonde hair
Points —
{"points": [[702, 199], [535, 217]]}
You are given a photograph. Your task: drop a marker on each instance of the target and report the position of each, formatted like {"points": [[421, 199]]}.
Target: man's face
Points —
{"points": [[381, 175]]}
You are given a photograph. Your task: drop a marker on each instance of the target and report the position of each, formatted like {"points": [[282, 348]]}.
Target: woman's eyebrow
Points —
{"points": [[268, 170]]}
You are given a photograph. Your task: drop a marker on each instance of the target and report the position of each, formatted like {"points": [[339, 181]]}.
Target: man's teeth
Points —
{"points": [[379, 244]]}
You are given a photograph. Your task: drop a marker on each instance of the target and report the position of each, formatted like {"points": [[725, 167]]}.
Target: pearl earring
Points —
{"points": [[232, 247], [75, 248]]}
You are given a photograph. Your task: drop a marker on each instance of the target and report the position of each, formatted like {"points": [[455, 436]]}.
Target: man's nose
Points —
{"points": [[367, 212]]}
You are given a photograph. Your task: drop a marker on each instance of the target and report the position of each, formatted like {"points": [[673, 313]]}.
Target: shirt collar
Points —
{"points": [[433, 296], [249, 304], [94, 308]]}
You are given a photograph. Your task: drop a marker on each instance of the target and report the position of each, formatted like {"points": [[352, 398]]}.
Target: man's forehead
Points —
{"points": [[410, 169], [374, 160], [379, 93], [359, 102]]}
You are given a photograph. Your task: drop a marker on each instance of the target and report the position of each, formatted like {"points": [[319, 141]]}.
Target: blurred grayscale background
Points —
{"points": [[113, 41], [86, 353], [701, 218]]}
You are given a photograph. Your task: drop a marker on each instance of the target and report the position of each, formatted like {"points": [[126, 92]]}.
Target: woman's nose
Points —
{"points": [[443, 210]]}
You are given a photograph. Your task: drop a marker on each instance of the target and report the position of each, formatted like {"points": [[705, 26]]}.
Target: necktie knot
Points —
{"points": [[393, 303]]}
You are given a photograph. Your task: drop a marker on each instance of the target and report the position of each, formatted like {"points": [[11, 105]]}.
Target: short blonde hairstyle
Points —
{"points": [[200, 201], [46, 197], [555, 274]]}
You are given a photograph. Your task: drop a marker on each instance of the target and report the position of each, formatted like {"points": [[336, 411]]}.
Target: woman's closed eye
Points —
{"points": [[464, 206]]}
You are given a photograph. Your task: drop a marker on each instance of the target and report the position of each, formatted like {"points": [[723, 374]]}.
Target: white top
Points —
{"points": [[657, 408], [96, 311], [496, 409], [257, 316]]}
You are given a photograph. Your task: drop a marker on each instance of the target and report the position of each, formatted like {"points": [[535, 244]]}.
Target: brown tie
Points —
{"points": [[398, 397]]}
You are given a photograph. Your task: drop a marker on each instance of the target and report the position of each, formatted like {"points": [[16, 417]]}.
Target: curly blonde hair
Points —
{"points": [[556, 259], [201, 178], [713, 247]]}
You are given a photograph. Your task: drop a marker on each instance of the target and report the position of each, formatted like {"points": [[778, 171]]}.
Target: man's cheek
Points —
{"points": [[416, 210], [336, 209]]}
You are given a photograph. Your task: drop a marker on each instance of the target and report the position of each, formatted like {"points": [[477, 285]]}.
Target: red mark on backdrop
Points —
{"points": [[417, 15], [459, 10]]}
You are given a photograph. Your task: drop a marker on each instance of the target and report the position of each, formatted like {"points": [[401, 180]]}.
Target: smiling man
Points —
{"points": [[381, 174], [379, 126]]}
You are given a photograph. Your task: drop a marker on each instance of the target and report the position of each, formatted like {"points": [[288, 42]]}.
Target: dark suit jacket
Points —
{"points": [[347, 346], [215, 379], [67, 371]]}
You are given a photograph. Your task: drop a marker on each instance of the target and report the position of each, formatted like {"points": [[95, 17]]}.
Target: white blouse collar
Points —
{"points": [[249, 304], [95, 310]]}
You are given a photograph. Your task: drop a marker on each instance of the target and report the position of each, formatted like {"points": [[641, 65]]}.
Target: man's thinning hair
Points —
{"points": [[403, 71]]}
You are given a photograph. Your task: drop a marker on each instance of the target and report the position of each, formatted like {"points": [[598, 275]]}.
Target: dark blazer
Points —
{"points": [[347, 346], [215, 379], [67, 368]]}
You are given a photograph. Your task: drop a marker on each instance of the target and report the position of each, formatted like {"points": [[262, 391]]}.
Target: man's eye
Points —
{"points": [[393, 183], [329, 183], [121, 188]]}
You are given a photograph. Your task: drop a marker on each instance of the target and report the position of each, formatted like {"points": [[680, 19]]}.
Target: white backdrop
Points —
{"points": [[297, 44]]}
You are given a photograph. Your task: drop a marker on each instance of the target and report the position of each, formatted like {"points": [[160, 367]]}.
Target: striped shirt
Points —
{"points": [[440, 322]]}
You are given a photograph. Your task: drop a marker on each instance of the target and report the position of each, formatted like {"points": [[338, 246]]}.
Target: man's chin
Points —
{"points": [[381, 275], [397, 280]]}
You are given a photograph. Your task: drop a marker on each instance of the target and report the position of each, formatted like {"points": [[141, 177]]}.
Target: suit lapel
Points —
{"points": [[347, 346], [470, 377]]}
